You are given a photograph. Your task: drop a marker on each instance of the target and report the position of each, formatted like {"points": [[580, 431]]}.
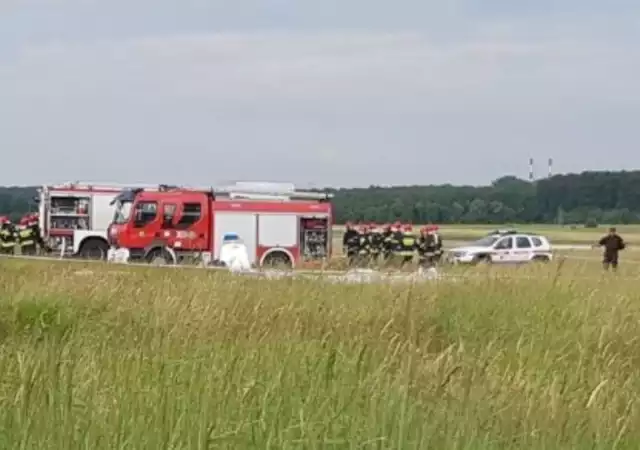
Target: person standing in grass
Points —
{"points": [[612, 244]]}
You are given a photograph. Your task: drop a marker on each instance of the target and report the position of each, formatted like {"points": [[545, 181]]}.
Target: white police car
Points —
{"points": [[509, 247]]}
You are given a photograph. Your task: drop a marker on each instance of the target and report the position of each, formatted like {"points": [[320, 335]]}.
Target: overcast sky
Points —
{"points": [[331, 92]]}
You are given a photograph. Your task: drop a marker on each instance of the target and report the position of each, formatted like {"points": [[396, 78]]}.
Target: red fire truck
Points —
{"points": [[278, 224]]}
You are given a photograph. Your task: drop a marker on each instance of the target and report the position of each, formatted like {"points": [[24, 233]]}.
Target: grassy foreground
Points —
{"points": [[102, 358]]}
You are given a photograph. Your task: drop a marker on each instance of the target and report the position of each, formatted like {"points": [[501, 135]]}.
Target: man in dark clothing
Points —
{"points": [[407, 244], [8, 236], [387, 237], [364, 245], [426, 247], [376, 241], [351, 242], [429, 246], [435, 230], [29, 236], [612, 244]]}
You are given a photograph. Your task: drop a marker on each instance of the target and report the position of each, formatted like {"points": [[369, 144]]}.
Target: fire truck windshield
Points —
{"points": [[122, 212]]}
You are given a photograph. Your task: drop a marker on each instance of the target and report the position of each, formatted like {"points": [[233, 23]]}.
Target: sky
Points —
{"points": [[332, 93]]}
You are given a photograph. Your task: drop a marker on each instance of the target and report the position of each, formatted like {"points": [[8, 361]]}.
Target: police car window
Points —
{"points": [[536, 242], [146, 212], [523, 242], [504, 243], [191, 213]]}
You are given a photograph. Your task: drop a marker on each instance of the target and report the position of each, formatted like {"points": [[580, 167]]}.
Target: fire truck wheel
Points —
{"points": [[159, 256], [277, 260], [94, 249]]}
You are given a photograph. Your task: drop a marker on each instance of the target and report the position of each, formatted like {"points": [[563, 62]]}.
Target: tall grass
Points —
{"points": [[102, 358]]}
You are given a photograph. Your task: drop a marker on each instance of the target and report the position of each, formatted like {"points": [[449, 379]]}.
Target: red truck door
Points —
{"points": [[145, 226], [191, 226]]}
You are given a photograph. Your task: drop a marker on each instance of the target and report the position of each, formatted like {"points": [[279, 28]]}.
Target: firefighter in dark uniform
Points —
{"points": [[351, 243], [438, 239], [396, 240], [407, 244], [612, 244], [364, 245], [376, 242], [426, 247], [388, 242], [429, 246], [391, 244], [7, 235], [29, 237]]}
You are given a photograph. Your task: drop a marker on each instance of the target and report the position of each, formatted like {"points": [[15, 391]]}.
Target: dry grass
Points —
{"points": [[535, 357]]}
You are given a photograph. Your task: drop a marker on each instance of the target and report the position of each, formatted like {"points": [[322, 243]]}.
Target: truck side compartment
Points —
{"points": [[244, 224]]}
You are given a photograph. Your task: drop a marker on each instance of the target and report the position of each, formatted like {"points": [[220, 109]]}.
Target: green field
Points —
{"points": [[557, 234], [103, 357]]}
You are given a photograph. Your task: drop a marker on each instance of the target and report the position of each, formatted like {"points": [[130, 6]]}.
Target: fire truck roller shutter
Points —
{"points": [[102, 210], [243, 224]]}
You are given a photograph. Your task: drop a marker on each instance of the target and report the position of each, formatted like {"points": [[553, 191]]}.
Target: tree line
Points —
{"points": [[585, 198]]}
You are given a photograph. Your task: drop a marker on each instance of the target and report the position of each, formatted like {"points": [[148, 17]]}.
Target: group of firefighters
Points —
{"points": [[25, 234], [370, 243]]}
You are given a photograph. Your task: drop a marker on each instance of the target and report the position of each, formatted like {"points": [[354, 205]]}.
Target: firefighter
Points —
{"points": [[351, 242], [438, 239], [388, 241], [391, 242], [26, 239], [407, 244], [395, 240], [376, 242], [427, 245], [364, 245], [7, 235], [29, 237], [423, 244]]}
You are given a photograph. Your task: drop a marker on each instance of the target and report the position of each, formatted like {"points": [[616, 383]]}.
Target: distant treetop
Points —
{"points": [[587, 197]]}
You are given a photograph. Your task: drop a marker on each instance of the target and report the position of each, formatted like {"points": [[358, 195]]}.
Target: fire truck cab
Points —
{"points": [[278, 224]]}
